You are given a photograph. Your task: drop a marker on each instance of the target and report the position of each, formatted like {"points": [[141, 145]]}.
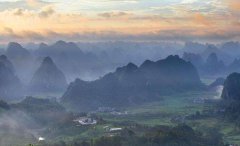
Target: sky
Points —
{"points": [[136, 20]]}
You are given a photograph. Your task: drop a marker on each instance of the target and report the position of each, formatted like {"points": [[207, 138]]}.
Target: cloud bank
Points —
{"points": [[36, 20]]}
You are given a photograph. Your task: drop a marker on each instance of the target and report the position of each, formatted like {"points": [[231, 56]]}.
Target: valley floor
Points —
{"points": [[181, 109], [189, 108], [196, 109]]}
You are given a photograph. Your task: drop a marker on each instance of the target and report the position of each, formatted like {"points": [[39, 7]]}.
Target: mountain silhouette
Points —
{"points": [[231, 87], [10, 86], [131, 84], [48, 77], [7, 62], [16, 51]]}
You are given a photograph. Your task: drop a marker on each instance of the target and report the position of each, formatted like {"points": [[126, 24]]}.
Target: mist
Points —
{"points": [[219, 90], [17, 129], [119, 73], [117, 84]]}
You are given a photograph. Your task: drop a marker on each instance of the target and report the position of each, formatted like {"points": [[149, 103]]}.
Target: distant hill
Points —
{"points": [[194, 47], [218, 82], [132, 84], [48, 78], [10, 85], [213, 65], [195, 59], [7, 62], [70, 58], [22, 60], [60, 48], [231, 48], [16, 51], [234, 66], [222, 55]]}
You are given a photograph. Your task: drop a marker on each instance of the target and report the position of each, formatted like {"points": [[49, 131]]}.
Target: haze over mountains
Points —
{"points": [[22, 60], [101, 56], [9, 82], [89, 61], [53, 85], [69, 57], [119, 72], [131, 84], [48, 78]]}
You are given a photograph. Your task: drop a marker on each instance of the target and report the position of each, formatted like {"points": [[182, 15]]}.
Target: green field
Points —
{"points": [[161, 113], [147, 115]]}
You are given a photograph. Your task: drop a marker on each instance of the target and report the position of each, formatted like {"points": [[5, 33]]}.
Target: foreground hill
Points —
{"points": [[231, 87], [231, 97], [48, 78], [132, 84]]}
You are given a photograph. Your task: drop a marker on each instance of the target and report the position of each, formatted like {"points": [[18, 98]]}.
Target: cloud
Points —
{"points": [[115, 14], [46, 11], [201, 19], [187, 19], [23, 4], [36, 3], [8, 30], [23, 14], [188, 1], [234, 5], [18, 12], [175, 34], [125, 1]]}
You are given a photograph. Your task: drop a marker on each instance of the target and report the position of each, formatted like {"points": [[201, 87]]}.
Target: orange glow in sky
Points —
{"points": [[39, 20]]}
